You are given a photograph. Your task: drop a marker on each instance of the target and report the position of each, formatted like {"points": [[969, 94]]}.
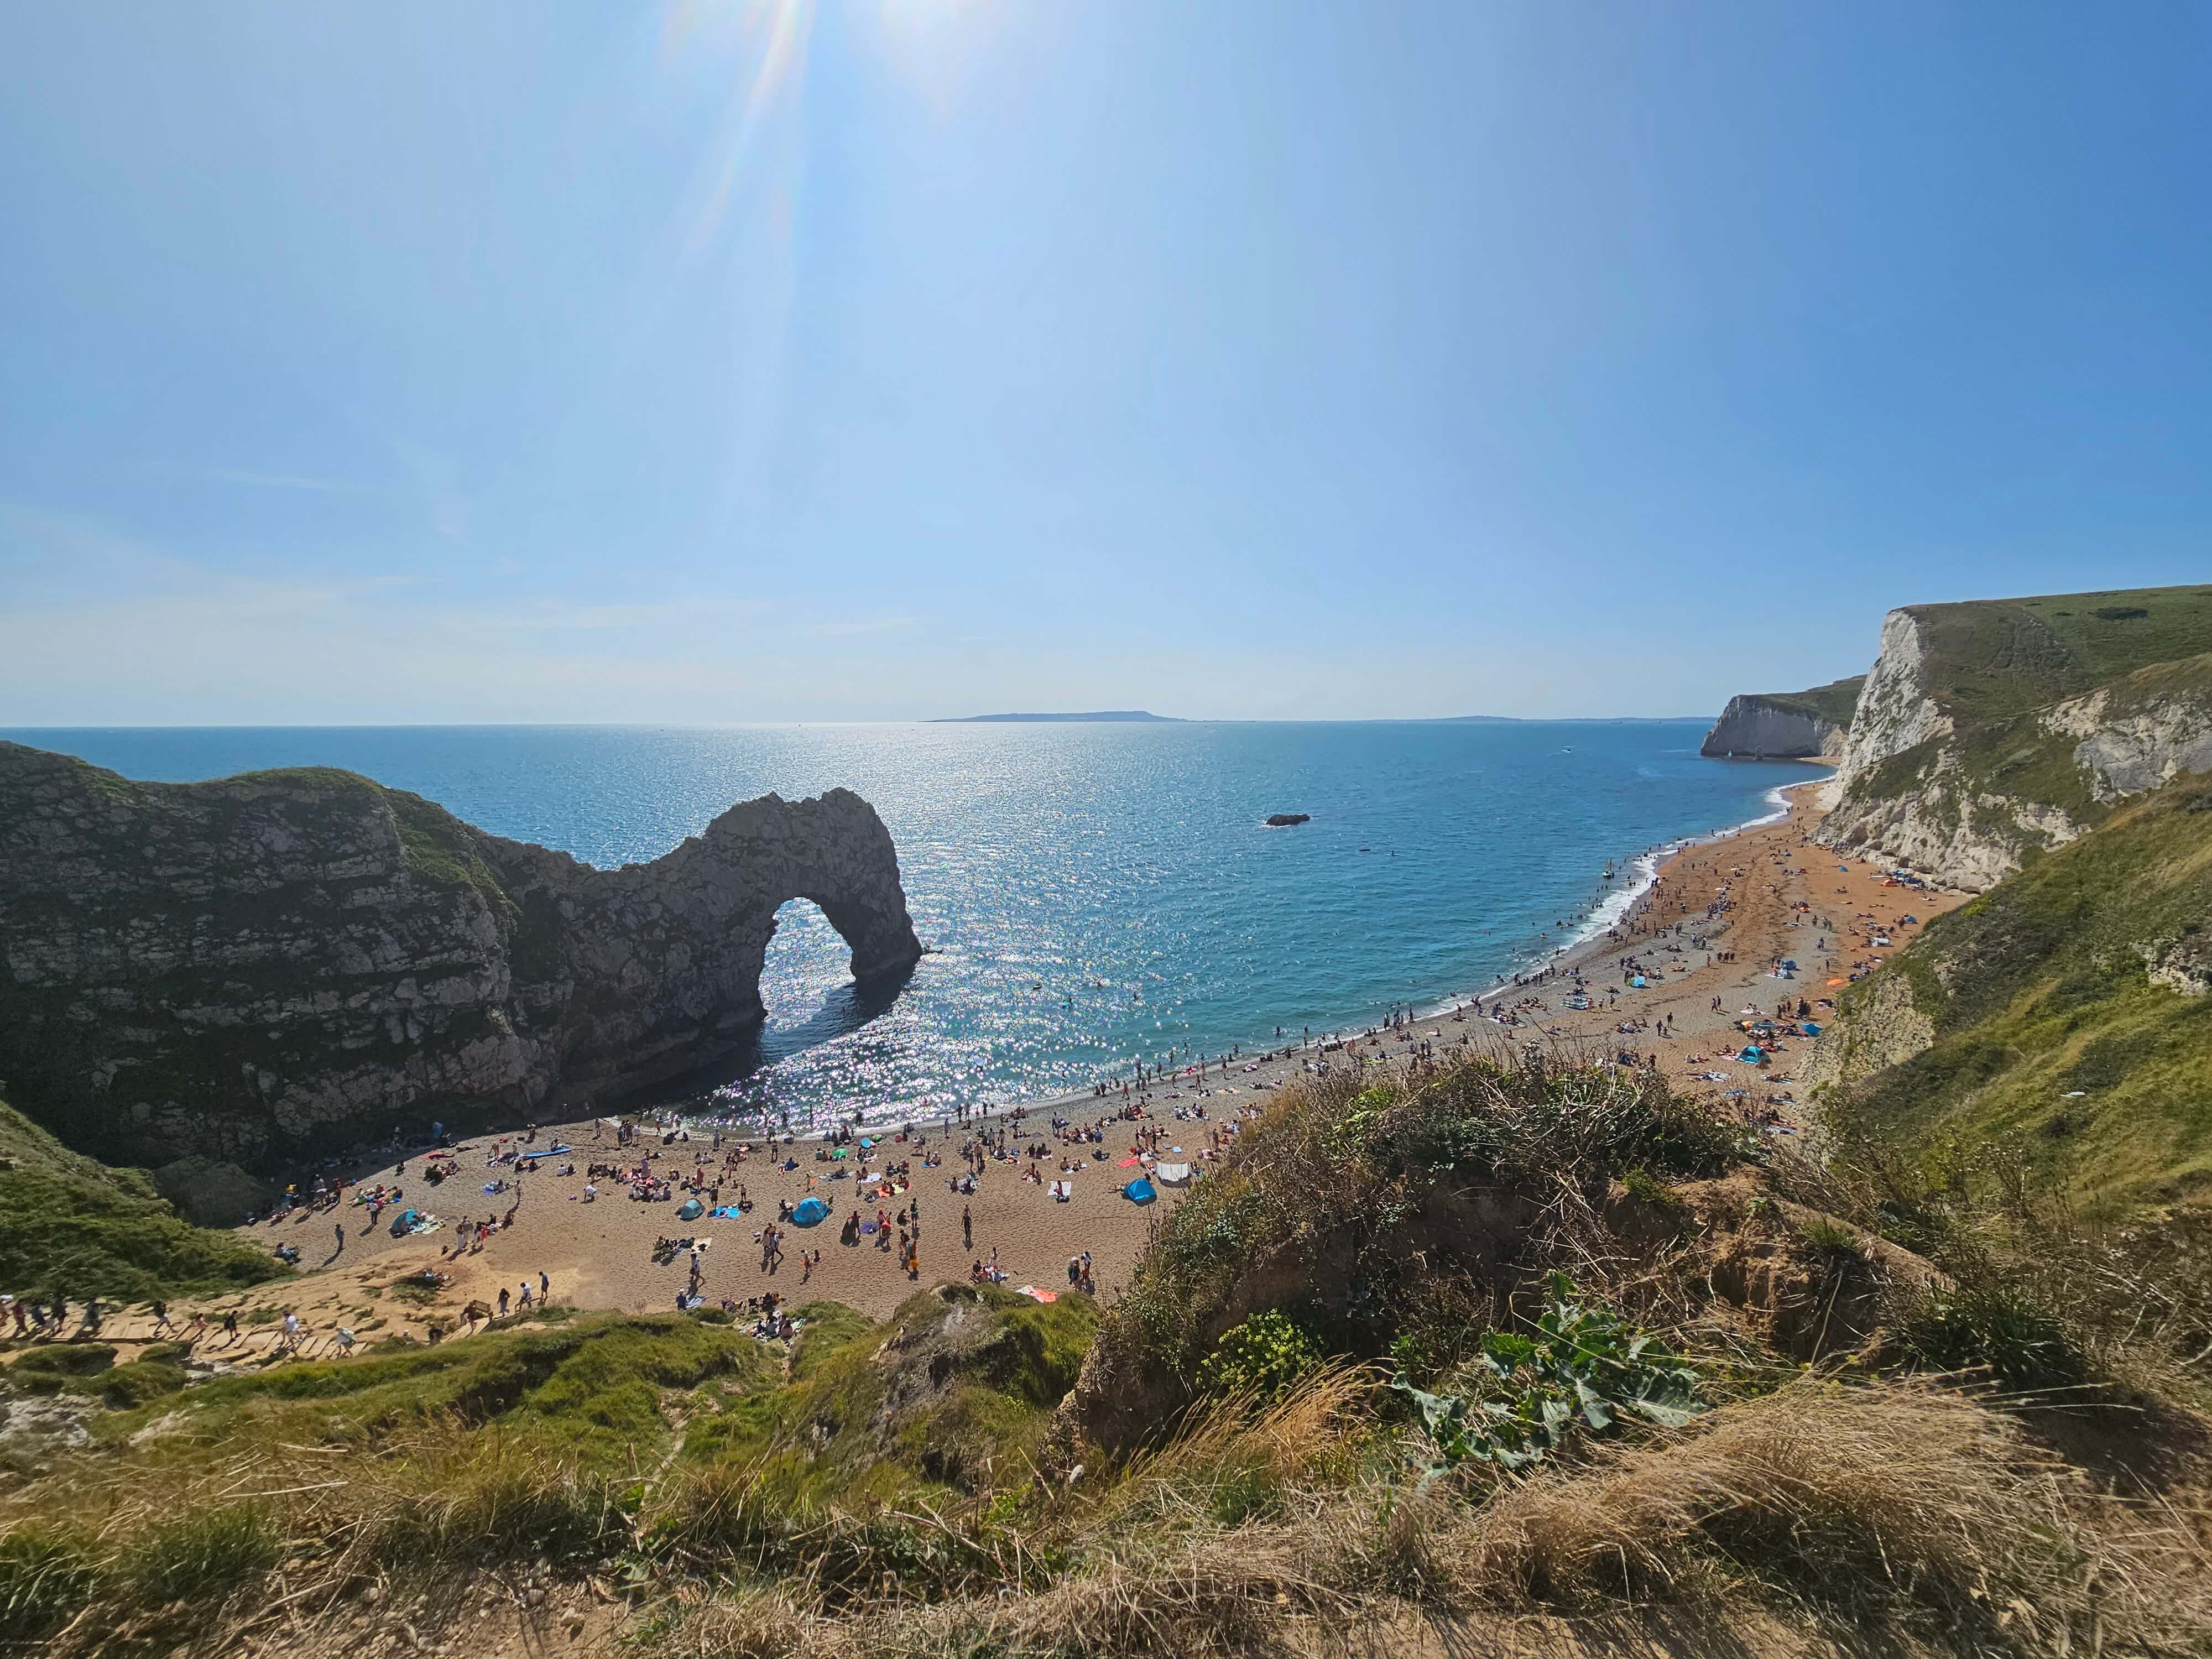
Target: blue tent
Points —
{"points": [[1139, 1191], [402, 1222], [809, 1211], [690, 1210], [1637, 981], [1750, 1053]]}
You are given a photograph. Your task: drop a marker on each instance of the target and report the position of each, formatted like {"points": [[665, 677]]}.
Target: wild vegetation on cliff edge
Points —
{"points": [[1713, 1376]]}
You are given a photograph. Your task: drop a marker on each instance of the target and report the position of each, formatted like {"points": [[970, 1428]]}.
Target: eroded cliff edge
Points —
{"points": [[1785, 726], [1991, 733], [259, 966]]}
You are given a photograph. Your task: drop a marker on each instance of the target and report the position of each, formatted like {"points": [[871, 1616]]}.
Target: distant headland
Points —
{"points": [[1058, 720]]}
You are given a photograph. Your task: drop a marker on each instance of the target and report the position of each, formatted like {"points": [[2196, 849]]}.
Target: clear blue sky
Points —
{"points": [[919, 357]]}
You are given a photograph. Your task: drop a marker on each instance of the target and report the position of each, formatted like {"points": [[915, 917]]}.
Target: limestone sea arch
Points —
{"points": [[252, 968]]}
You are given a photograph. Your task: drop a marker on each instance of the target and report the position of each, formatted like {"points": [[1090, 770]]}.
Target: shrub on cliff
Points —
{"points": [[1374, 1209]]}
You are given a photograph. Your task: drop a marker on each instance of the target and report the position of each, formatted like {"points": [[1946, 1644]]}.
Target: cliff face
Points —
{"points": [[1989, 733], [261, 965], [1793, 726]]}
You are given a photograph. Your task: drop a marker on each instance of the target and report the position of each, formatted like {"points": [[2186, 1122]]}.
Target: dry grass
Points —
{"points": [[1900, 1513]]}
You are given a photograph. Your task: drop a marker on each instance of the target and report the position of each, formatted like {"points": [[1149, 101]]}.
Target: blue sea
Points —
{"points": [[1092, 894]]}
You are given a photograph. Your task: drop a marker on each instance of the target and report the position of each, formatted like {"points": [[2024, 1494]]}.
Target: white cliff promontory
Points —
{"points": [[1764, 726], [1990, 733]]}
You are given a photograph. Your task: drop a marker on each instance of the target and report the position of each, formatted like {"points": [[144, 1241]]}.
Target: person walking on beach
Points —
{"points": [[967, 1229]]}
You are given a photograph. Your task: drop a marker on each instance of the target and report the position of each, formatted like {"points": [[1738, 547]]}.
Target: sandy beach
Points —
{"points": [[1707, 937]]}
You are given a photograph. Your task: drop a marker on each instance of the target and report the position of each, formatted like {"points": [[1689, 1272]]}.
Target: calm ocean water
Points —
{"points": [[1093, 893]]}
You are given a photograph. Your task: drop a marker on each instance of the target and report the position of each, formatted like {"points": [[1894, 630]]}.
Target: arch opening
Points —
{"points": [[807, 970]]}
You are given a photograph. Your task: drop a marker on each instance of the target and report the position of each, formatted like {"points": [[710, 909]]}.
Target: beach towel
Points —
{"points": [[1139, 1191], [809, 1211], [1063, 1190], [1042, 1295], [1173, 1175]]}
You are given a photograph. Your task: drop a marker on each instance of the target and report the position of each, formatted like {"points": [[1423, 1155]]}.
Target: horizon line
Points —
{"points": [[716, 726]]}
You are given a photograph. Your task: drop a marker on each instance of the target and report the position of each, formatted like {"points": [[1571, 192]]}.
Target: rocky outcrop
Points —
{"points": [[1989, 733], [263, 965], [2143, 732], [1756, 726], [1882, 1026]]}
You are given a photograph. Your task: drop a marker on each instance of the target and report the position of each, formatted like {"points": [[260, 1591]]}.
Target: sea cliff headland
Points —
{"points": [[250, 969]]}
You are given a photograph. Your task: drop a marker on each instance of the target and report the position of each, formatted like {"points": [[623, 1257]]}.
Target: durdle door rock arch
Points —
{"points": [[259, 967]]}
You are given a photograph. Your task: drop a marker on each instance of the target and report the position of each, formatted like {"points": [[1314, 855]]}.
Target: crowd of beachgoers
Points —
{"points": [[1716, 975]]}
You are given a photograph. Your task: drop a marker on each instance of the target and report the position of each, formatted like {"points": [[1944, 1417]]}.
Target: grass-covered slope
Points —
{"points": [[1992, 658], [73, 1226], [2065, 1012], [1832, 702]]}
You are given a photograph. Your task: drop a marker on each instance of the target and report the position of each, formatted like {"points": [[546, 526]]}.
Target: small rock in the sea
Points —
{"points": [[1285, 820]]}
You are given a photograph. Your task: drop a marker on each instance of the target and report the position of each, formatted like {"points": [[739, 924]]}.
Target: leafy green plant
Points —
{"points": [[1582, 1369], [1261, 1357], [1647, 1188]]}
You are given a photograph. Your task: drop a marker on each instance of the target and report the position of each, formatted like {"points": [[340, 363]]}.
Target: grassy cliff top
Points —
{"points": [[436, 846], [1990, 658], [1834, 703]]}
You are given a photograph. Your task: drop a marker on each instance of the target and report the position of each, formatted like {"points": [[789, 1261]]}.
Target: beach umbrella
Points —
{"points": [[808, 1212], [1139, 1191]]}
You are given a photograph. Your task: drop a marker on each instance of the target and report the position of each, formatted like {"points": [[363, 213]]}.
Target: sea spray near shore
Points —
{"points": [[1092, 894]]}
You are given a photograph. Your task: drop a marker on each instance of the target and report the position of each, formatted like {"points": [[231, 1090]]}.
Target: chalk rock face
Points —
{"points": [[1905, 791], [266, 965], [1756, 728], [1896, 711], [2144, 732]]}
